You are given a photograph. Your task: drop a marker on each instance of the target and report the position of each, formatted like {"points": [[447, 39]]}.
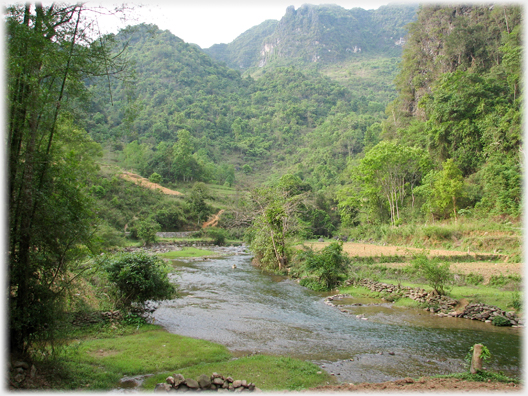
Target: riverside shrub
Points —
{"points": [[139, 277], [324, 270]]}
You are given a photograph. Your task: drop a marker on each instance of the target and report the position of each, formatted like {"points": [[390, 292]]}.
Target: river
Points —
{"points": [[253, 312]]}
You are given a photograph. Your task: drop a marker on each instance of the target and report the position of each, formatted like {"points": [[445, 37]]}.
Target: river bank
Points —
{"points": [[423, 384]]}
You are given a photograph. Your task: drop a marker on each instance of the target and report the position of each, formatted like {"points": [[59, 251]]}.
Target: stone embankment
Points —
{"points": [[443, 306], [215, 382]]}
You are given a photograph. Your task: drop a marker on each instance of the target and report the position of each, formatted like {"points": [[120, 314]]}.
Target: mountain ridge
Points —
{"points": [[319, 34]]}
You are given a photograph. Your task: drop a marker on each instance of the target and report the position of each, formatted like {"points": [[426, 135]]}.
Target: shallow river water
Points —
{"points": [[253, 312]]}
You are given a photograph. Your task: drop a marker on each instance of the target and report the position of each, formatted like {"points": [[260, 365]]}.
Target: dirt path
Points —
{"points": [[141, 181], [213, 221], [424, 384]]}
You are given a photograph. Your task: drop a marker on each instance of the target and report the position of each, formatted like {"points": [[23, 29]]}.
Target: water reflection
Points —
{"points": [[249, 312]]}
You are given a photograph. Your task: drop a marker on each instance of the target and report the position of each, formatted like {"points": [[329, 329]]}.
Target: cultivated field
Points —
{"points": [[499, 266]]}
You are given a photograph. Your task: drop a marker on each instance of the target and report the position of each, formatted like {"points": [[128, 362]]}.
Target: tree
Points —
{"points": [[196, 198], [436, 273], [139, 277], [51, 52], [146, 231], [449, 186], [388, 170], [277, 212], [184, 165]]}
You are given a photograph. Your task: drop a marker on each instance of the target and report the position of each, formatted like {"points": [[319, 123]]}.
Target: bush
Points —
{"points": [[502, 281], [218, 235], [474, 279], [501, 321], [155, 178], [437, 274], [324, 270], [146, 231], [139, 277]]}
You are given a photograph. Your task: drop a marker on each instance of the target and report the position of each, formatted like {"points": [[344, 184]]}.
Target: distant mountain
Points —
{"points": [[321, 34], [244, 51]]}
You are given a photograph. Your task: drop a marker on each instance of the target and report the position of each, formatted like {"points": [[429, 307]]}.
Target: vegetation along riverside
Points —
{"points": [[332, 201]]}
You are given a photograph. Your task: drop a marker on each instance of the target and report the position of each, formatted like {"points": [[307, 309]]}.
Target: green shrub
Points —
{"points": [[474, 279], [501, 280], [155, 178], [500, 321], [326, 269], [139, 277], [437, 274], [146, 231], [218, 235]]}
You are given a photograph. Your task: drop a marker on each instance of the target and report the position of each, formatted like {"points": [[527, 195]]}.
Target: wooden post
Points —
{"points": [[476, 360]]}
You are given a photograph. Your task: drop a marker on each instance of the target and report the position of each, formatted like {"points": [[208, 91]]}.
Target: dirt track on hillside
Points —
{"points": [[141, 181]]}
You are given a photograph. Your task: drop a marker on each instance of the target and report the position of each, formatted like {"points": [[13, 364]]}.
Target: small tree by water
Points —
{"points": [[324, 270], [139, 277], [436, 273]]}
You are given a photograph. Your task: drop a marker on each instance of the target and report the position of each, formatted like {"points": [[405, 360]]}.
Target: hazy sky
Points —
{"points": [[207, 22]]}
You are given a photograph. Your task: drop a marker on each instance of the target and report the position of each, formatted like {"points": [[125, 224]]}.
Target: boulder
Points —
{"points": [[162, 387], [218, 381], [178, 379], [204, 381], [192, 384], [23, 365]]}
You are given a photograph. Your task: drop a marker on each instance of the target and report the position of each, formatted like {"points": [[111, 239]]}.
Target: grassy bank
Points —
{"points": [[97, 358], [187, 252], [503, 291]]}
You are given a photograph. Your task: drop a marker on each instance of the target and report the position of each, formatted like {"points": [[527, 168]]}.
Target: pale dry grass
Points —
{"points": [[369, 250], [485, 268]]}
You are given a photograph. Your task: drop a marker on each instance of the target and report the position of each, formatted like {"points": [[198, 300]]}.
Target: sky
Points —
{"points": [[208, 22]]}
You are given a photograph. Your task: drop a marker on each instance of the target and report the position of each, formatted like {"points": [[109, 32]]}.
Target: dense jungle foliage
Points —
{"points": [[291, 151]]}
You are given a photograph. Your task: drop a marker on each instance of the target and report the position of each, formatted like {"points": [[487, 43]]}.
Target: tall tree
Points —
{"points": [[51, 51], [390, 171]]}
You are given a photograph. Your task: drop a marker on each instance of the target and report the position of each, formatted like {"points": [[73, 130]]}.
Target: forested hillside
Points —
{"points": [[188, 118], [182, 104]]}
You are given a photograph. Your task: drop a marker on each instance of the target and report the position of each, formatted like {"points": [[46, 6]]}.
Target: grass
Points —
{"points": [[269, 373], [187, 252], [98, 363], [97, 360], [473, 294], [147, 352]]}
